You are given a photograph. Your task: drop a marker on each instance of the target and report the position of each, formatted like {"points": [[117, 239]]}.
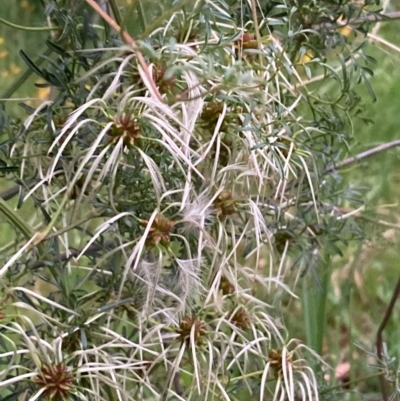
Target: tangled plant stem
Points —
{"points": [[190, 169], [129, 41]]}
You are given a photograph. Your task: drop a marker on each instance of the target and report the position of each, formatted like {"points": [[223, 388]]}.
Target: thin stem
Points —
{"points": [[349, 383], [257, 29], [129, 41], [377, 39], [377, 26], [358, 21], [40, 237], [9, 193], [156, 23], [77, 223], [379, 334], [30, 28], [16, 220], [346, 213], [115, 11], [141, 15], [380, 222], [127, 13], [362, 155], [90, 251]]}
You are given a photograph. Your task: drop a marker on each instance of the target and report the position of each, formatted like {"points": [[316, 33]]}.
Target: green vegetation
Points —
{"points": [[169, 209]]}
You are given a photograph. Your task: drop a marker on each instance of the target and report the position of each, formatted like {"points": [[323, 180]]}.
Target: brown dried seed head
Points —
{"points": [[188, 324], [240, 318], [57, 381]]}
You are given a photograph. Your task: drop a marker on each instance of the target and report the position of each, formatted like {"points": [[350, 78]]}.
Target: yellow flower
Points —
{"points": [[346, 30], [3, 53], [43, 93], [306, 57]]}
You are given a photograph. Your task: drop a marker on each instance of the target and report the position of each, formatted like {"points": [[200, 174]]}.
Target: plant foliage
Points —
{"points": [[160, 232]]}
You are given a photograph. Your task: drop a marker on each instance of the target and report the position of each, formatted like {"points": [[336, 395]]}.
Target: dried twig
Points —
{"points": [[9, 193], [379, 340], [129, 41], [362, 155], [358, 21], [92, 250]]}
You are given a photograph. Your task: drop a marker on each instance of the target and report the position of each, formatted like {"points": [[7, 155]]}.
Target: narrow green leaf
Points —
{"points": [[32, 65], [55, 48], [369, 88]]}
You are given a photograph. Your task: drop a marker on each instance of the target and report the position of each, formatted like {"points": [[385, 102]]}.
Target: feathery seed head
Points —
{"points": [[57, 381], [159, 231], [240, 318], [127, 128], [226, 286], [189, 324], [198, 213], [225, 204], [277, 362]]}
